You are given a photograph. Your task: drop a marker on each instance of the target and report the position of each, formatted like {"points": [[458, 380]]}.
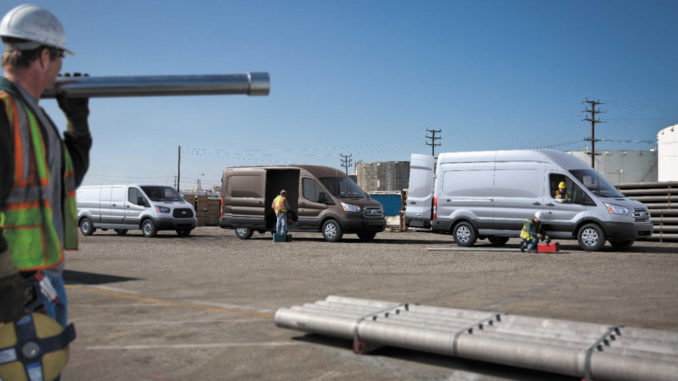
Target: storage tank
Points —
{"points": [[383, 176], [667, 149]]}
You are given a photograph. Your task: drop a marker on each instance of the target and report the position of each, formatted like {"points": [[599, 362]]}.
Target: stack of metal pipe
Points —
{"points": [[587, 350]]}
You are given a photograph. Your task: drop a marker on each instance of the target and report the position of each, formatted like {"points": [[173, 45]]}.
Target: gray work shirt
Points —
{"points": [[54, 152]]}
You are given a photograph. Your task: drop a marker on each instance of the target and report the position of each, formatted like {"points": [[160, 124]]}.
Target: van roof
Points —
{"points": [[560, 158], [318, 171]]}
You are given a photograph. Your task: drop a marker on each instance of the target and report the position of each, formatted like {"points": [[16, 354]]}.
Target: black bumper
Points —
{"points": [[623, 231], [175, 223], [355, 225]]}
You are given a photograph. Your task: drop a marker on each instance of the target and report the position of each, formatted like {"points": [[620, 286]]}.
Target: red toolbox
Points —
{"points": [[550, 247]]}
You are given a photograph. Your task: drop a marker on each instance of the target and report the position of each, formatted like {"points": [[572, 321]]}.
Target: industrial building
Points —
{"points": [[623, 166], [384, 176]]}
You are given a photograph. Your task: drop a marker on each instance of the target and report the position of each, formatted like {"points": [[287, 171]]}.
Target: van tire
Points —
{"points": [[367, 236], [86, 226], [120, 231], [243, 233], [498, 241], [622, 244], [332, 231], [148, 228], [183, 232], [464, 234], [591, 237]]}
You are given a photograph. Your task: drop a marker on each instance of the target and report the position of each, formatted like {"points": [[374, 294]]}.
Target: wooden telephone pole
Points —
{"points": [[593, 121]]}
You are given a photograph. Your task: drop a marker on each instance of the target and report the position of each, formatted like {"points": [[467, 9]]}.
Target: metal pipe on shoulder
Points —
{"points": [[161, 85]]}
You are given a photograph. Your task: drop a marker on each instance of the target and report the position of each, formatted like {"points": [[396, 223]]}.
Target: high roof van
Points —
{"points": [[490, 194], [134, 206], [324, 199]]}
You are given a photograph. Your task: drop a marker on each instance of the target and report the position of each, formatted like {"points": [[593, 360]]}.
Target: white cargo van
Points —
{"points": [[133, 206], [490, 194]]}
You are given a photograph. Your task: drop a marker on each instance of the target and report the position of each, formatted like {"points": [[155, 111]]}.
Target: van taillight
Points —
{"points": [[435, 208], [221, 206]]}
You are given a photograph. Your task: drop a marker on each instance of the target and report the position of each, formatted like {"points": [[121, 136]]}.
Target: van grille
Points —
{"points": [[182, 213], [641, 215], [373, 212]]}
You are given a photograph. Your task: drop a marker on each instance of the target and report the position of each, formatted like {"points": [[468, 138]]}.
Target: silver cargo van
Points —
{"points": [[324, 199], [490, 194], [131, 206]]}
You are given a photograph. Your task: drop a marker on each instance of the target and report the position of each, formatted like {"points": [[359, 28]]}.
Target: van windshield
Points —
{"points": [[160, 193], [595, 183], [343, 187]]}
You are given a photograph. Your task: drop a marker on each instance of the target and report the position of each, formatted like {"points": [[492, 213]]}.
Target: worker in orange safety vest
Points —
{"points": [[280, 207]]}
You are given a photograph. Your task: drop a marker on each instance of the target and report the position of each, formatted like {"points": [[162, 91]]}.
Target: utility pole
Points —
{"points": [[433, 138], [593, 121], [346, 161], [179, 169]]}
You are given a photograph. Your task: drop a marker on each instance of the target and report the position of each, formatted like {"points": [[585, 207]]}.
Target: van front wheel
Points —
{"points": [[148, 228], [591, 237], [332, 231], [243, 233], [464, 234]]}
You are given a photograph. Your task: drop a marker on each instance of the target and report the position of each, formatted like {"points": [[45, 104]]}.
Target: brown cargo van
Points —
{"points": [[324, 199]]}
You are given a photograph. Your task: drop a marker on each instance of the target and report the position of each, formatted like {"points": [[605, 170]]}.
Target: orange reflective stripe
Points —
{"points": [[13, 113], [28, 205]]}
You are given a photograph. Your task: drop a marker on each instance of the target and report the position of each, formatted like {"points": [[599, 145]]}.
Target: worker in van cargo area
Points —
{"points": [[561, 193], [280, 207], [532, 232], [39, 170]]}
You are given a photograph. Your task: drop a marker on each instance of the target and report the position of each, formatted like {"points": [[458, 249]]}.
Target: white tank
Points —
{"points": [[623, 166], [667, 147]]}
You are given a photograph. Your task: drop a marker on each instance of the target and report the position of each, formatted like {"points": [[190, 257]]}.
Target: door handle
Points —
{"points": [[413, 202], [127, 206], [550, 204], [113, 205], [536, 203]]}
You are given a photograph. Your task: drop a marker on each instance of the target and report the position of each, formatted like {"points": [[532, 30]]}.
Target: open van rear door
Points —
{"points": [[420, 191]]}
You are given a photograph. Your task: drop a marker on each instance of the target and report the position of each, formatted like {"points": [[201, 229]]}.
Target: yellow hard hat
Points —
{"points": [[35, 343], [561, 185]]}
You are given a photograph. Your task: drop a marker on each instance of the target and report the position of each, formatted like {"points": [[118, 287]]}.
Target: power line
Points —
{"points": [[433, 138]]}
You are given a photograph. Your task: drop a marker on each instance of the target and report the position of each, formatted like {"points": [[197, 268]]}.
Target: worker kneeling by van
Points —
{"points": [[124, 207]]}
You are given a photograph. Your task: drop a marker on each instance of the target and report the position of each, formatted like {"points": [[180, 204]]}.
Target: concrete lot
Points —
{"points": [[202, 307]]}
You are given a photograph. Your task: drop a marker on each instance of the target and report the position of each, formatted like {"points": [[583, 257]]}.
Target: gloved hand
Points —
{"points": [[13, 297], [75, 109]]}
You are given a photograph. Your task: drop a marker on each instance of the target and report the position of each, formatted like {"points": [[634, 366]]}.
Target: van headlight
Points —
{"points": [[162, 209], [350, 207], [617, 209]]}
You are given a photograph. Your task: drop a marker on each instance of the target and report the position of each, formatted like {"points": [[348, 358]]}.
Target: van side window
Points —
{"points": [[311, 190], [135, 197], [557, 193], [245, 186]]}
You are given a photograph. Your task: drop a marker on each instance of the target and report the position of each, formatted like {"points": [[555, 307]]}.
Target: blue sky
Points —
{"points": [[368, 78]]}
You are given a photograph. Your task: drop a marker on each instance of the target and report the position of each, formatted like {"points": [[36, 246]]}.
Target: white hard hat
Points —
{"points": [[35, 24], [538, 215]]}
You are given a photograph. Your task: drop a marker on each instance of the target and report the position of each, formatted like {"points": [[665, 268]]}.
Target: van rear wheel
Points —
{"points": [[86, 226], [148, 228], [621, 244], [367, 236], [243, 233], [464, 234], [498, 241], [332, 231], [591, 237]]}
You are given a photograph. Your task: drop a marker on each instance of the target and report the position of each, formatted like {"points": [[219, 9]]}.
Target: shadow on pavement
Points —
{"points": [[470, 366], [79, 277]]}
